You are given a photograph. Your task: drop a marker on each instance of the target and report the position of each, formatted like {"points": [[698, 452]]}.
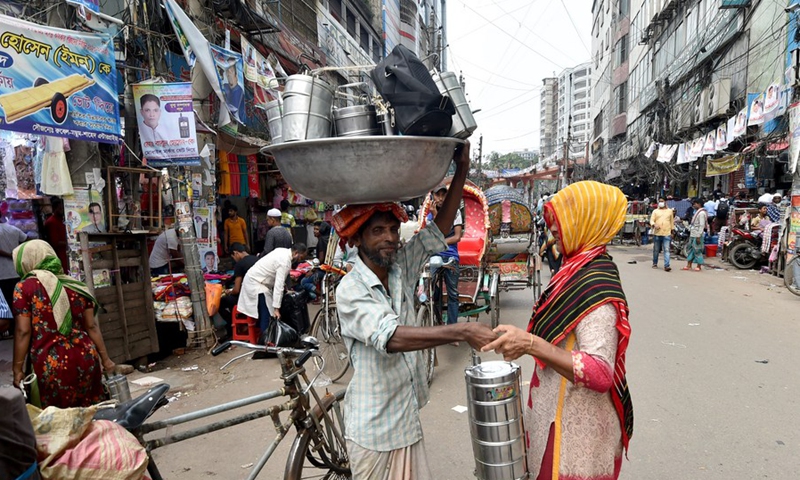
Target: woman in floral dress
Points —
{"points": [[56, 328], [579, 415]]}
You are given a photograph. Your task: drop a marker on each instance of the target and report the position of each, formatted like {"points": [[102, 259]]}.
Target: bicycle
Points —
{"points": [[326, 328], [791, 275], [429, 310], [319, 448]]}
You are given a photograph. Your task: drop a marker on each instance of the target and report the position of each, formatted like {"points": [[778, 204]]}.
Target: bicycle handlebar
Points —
{"points": [[304, 354]]}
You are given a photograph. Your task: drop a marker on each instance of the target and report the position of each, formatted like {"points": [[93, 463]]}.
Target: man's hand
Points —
{"points": [[461, 156], [478, 334], [277, 313], [512, 343]]}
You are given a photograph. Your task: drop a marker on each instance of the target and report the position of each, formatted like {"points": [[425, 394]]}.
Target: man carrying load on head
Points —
{"points": [[375, 302]]}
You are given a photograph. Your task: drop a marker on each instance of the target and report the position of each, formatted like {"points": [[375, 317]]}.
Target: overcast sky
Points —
{"points": [[504, 49]]}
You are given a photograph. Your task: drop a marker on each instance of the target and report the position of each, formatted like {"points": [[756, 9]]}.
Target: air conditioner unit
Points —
{"points": [[718, 97], [696, 108]]}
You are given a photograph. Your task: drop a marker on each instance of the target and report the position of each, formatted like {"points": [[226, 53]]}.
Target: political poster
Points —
{"points": [[740, 126], [84, 212], [697, 147], [58, 82], [209, 260], [722, 137], [205, 225], [723, 166], [794, 137], [756, 116], [229, 66], [710, 144], [93, 5], [666, 152], [259, 71], [772, 98], [165, 116]]}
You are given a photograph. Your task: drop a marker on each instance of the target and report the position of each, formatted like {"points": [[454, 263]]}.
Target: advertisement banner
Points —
{"points": [[794, 137], [165, 117], [229, 67], [258, 70], [723, 166], [58, 82], [205, 226], [188, 52]]}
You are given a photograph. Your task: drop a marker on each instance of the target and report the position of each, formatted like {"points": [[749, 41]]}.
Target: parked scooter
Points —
{"points": [[744, 250]]}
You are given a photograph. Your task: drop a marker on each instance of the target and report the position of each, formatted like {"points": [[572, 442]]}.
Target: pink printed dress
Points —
{"points": [[572, 429]]}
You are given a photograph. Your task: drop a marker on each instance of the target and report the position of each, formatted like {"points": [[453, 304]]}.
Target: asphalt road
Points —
{"points": [[711, 367]]}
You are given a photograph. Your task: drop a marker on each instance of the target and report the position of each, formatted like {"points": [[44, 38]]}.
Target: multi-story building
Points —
{"points": [[531, 155], [420, 26], [693, 64], [547, 116], [610, 55], [573, 113]]}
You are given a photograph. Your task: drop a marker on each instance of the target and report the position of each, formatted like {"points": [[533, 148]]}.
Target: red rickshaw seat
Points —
{"points": [[470, 251]]}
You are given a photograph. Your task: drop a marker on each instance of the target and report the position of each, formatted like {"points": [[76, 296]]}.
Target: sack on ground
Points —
{"points": [[72, 446], [419, 108]]}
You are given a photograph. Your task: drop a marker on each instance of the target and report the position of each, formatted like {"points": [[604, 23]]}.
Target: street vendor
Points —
{"points": [[375, 303]]}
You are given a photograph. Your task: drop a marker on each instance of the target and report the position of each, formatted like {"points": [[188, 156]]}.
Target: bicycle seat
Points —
{"points": [[132, 414]]}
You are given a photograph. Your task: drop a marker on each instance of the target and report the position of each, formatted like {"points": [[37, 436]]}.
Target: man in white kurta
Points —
{"points": [[268, 278]]}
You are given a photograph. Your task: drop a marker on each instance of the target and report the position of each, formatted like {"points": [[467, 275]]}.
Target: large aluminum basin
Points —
{"points": [[351, 170]]}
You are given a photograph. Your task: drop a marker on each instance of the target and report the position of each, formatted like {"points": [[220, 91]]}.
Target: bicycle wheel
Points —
{"points": [[494, 309], [331, 344], [428, 355], [791, 275], [320, 453]]}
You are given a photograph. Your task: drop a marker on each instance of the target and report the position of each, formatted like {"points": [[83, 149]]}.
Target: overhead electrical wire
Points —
{"points": [[580, 37]]}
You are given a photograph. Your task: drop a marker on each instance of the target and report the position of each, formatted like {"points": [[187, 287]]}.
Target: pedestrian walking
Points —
{"points": [[580, 418], [695, 246], [662, 221]]}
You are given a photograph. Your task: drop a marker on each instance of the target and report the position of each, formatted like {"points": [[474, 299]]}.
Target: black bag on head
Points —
{"points": [[419, 109]]}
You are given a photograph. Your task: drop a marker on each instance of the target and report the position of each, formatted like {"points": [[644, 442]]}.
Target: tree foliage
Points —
{"points": [[497, 161]]}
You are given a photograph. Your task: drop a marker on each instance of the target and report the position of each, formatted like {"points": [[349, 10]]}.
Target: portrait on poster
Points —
{"points": [[165, 117]]}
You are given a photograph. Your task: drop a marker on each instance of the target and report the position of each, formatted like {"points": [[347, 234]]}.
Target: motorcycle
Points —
{"points": [[680, 238], [744, 250]]}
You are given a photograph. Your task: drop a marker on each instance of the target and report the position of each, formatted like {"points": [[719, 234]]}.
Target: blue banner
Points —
{"points": [[58, 82], [93, 5], [229, 67]]}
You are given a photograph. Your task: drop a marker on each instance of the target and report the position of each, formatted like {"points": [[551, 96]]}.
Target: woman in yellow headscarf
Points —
{"points": [[579, 415], [56, 330]]}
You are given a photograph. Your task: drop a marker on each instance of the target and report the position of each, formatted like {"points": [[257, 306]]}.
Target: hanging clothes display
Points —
{"points": [[23, 164], [244, 181], [55, 178], [252, 176], [224, 174], [8, 179]]}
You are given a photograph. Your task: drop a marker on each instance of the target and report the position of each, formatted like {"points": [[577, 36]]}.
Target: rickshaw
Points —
{"points": [[636, 221], [477, 284], [514, 241]]}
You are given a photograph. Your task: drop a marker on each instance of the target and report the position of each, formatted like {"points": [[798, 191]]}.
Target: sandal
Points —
{"points": [[698, 269], [686, 268]]}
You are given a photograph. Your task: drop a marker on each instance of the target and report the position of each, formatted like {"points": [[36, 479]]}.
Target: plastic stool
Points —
{"points": [[245, 328]]}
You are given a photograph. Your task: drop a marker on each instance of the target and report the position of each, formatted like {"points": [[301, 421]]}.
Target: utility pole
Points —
{"points": [[480, 162]]}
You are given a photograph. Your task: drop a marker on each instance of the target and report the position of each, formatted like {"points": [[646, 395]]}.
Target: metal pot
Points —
{"points": [[307, 103], [356, 121], [494, 402], [118, 388], [275, 121], [463, 121]]}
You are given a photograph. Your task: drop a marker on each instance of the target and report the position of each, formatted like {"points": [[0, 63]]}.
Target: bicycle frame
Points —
{"points": [[298, 404]]}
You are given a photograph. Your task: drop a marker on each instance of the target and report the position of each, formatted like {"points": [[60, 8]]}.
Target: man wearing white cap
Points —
{"points": [[277, 236]]}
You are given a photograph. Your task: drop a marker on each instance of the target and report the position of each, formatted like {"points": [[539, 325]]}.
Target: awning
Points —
{"points": [[751, 147], [778, 146]]}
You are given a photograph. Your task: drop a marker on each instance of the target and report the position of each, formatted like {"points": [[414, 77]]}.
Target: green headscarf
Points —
{"points": [[37, 258]]}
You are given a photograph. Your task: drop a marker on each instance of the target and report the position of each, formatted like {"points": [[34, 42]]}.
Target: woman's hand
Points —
{"points": [[18, 377], [512, 343], [109, 366]]}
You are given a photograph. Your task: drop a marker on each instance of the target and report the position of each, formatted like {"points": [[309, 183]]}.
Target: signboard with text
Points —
{"points": [[58, 82], [165, 118]]}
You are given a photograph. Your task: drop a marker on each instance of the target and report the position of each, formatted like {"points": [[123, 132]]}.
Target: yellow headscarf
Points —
{"points": [[588, 215]]}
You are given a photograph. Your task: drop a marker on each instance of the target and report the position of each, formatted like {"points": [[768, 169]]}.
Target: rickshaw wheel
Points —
{"points": [[637, 233], [424, 319]]}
